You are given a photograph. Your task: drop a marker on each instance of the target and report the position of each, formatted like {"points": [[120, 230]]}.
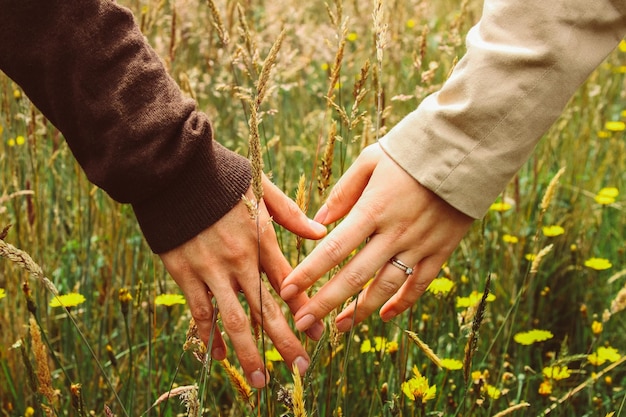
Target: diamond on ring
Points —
{"points": [[399, 264]]}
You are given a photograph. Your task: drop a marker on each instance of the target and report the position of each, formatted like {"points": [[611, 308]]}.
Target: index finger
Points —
{"points": [[336, 247]]}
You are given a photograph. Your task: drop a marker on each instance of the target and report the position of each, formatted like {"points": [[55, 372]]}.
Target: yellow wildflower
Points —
{"points": [[17, 94], [29, 412], [472, 300], [392, 347], [351, 37], [11, 142], [441, 286], [19, 141], [556, 372], [532, 336], [500, 206], [380, 344], [545, 388], [273, 355], [325, 66], [552, 231], [606, 195], [410, 23], [530, 257], [2, 293], [417, 388], [622, 45], [492, 391], [67, 300], [603, 134], [615, 126], [510, 238], [451, 364], [596, 327], [599, 264], [603, 354], [169, 300]]}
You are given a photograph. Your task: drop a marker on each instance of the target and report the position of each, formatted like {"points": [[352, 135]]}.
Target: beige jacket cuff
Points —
{"points": [[524, 61]]}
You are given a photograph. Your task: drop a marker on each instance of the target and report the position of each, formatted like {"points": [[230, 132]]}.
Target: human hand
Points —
{"points": [[402, 220], [225, 259]]}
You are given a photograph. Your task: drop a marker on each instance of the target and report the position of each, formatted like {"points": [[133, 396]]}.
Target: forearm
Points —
{"points": [[87, 67], [523, 63]]}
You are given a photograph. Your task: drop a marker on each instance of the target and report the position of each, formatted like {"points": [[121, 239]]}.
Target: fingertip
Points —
{"points": [[289, 292], [315, 331], [218, 353], [318, 228], [321, 214], [258, 379]]}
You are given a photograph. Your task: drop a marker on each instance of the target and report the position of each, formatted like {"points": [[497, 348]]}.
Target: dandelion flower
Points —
{"points": [[441, 286], [379, 343], [510, 238], [604, 354], [606, 195], [351, 37], [556, 372], [11, 142], [273, 355], [532, 336], [615, 126], [410, 23], [545, 388], [492, 391], [451, 364], [169, 300], [417, 388], [500, 206], [472, 300], [552, 231], [596, 327], [19, 141], [67, 300], [599, 264]]}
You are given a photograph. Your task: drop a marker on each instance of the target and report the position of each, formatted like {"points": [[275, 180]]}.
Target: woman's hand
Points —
{"points": [[402, 219], [224, 260]]}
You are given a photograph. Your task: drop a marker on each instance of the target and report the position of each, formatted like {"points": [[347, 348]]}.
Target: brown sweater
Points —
{"points": [[87, 67]]}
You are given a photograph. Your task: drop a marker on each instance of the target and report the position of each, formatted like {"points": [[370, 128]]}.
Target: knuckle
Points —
{"points": [[333, 249], [354, 279], [202, 313], [236, 322], [387, 287]]}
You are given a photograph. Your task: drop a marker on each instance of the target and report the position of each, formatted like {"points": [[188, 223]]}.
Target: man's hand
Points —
{"points": [[225, 260]]}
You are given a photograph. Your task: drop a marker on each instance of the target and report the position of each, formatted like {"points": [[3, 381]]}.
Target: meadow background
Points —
{"points": [[549, 339]]}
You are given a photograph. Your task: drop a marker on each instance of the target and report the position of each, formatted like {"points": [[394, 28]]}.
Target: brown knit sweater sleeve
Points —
{"points": [[87, 67]]}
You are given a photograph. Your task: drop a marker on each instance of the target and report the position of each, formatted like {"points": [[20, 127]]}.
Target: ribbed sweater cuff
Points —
{"points": [[213, 183]]}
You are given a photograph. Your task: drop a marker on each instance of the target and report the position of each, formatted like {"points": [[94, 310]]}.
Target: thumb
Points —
{"points": [[350, 186]]}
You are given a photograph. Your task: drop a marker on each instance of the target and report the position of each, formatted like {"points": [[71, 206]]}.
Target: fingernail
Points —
{"points": [[387, 315], [302, 364], [315, 332], [318, 227], [289, 292], [344, 325], [321, 214], [305, 322], [257, 379], [219, 353]]}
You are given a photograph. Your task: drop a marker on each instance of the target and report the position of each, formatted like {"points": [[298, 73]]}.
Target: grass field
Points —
{"points": [[548, 339]]}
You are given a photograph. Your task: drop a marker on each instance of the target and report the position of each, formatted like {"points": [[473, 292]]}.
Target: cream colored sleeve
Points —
{"points": [[524, 61]]}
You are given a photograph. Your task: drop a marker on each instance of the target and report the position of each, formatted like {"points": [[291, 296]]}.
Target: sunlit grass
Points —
{"points": [[550, 337]]}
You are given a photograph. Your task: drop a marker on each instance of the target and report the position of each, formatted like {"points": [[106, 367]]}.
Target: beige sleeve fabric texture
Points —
{"points": [[524, 61]]}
